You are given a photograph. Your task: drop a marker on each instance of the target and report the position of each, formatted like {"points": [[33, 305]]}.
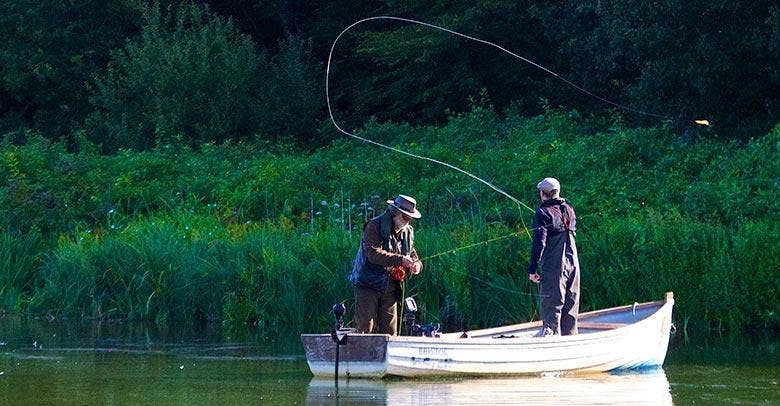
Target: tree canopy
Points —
{"points": [[134, 73]]}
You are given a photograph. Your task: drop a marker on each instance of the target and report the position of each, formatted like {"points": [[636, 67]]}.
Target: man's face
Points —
{"points": [[401, 220]]}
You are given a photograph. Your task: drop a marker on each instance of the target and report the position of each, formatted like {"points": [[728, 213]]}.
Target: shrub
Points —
{"points": [[190, 75]]}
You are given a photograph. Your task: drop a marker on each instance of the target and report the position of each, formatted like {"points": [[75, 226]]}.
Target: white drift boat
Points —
{"points": [[627, 337]]}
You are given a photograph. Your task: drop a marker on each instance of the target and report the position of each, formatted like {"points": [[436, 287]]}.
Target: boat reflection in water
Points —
{"points": [[632, 387]]}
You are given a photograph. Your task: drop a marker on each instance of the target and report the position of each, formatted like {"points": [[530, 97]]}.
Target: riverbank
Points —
{"points": [[261, 235]]}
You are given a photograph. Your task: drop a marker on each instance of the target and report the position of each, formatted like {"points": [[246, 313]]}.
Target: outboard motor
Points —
{"points": [[410, 314]]}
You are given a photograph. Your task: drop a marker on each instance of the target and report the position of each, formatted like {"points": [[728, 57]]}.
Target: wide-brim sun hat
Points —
{"points": [[406, 205]]}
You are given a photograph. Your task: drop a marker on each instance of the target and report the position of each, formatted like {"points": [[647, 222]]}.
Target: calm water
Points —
{"points": [[45, 363]]}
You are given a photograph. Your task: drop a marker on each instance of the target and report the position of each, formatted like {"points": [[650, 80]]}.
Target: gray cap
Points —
{"points": [[547, 185]]}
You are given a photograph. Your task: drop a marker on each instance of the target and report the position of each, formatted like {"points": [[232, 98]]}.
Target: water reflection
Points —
{"points": [[210, 339], [635, 387], [68, 362]]}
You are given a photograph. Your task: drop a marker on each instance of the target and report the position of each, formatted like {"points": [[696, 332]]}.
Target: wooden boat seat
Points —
{"points": [[599, 326]]}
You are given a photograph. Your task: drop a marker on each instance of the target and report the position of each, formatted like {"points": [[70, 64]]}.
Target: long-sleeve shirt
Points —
{"points": [[377, 254]]}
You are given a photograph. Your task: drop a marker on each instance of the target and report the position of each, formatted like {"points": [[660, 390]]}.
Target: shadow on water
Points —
{"points": [[20, 334], [94, 363], [638, 387]]}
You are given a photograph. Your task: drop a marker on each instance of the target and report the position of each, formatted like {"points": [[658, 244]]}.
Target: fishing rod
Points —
{"points": [[486, 242], [454, 251]]}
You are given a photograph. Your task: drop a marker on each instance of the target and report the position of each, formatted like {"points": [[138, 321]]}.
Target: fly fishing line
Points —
{"points": [[478, 40]]}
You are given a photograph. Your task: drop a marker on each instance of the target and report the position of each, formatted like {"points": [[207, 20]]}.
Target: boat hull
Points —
{"points": [[627, 337]]}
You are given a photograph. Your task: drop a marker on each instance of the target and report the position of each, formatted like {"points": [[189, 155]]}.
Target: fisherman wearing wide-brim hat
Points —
{"points": [[385, 258]]}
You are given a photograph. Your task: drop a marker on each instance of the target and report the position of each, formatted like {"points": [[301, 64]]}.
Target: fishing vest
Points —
{"points": [[366, 274]]}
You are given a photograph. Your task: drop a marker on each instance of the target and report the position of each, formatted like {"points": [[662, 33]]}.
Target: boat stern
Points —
{"points": [[361, 356]]}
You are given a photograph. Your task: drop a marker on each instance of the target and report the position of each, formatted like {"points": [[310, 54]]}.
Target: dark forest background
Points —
{"points": [[133, 74]]}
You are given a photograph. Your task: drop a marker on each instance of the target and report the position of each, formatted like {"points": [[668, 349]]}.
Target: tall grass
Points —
{"points": [[716, 279], [19, 259], [244, 235]]}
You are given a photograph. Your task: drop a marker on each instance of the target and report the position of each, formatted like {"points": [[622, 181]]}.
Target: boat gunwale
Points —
{"points": [[488, 336], [656, 314]]}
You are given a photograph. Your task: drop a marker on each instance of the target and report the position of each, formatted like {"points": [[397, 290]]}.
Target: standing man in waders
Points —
{"points": [[554, 251], [386, 256]]}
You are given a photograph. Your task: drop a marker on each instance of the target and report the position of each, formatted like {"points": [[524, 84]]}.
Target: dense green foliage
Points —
{"points": [[190, 76], [136, 72], [239, 233], [167, 160], [51, 52]]}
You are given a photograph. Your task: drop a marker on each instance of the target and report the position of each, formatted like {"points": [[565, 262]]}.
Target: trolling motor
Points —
{"points": [[338, 335], [338, 313]]}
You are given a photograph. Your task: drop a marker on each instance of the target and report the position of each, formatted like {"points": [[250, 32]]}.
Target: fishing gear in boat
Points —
{"points": [[410, 328]]}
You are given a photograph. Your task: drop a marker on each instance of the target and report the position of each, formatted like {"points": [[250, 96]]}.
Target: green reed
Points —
{"points": [[19, 258], [191, 267], [181, 235], [722, 278]]}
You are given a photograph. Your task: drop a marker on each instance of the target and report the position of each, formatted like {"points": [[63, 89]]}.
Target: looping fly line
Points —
{"points": [[366, 140], [491, 44], [528, 61]]}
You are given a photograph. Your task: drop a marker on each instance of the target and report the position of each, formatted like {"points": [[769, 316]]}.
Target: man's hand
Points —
{"points": [[408, 262], [416, 268], [534, 277]]}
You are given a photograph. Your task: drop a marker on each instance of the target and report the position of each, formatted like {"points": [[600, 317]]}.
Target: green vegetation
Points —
{"points": [[137, 72], [235, 232], [174, 160]]}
